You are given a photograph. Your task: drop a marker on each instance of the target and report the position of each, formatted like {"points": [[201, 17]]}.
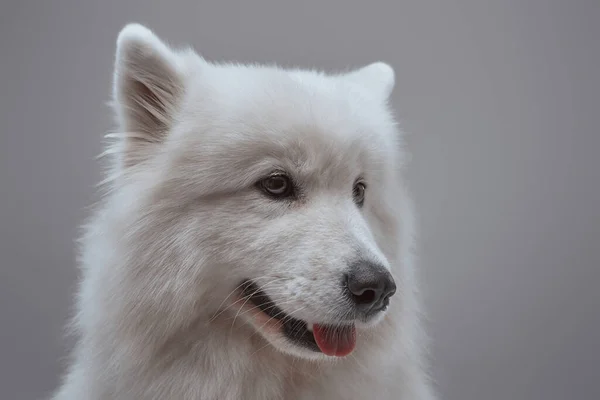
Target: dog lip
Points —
{"points": [[262, 301], [294, 329]]}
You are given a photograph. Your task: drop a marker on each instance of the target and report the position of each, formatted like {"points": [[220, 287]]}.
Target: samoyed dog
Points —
{"points": [[254, 241]]}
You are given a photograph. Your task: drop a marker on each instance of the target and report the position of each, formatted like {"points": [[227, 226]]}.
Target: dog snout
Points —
{"points": [[370, 287]]}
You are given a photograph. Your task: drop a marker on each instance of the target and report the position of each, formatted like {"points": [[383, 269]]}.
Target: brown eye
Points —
{"points": [[277, 186], [358, 193]]}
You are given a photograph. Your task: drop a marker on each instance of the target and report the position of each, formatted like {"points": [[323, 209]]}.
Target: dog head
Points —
{"points": [[255, 192]]}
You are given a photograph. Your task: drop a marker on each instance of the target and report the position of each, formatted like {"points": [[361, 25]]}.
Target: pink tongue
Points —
{"points": [[335, 341]]}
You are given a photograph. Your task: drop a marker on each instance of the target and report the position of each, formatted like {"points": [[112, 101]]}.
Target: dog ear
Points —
{"points": [[148, 85], [377, 77]]}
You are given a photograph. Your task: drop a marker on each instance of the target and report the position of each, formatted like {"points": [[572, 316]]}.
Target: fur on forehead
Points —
{"points": [[165, 96]]}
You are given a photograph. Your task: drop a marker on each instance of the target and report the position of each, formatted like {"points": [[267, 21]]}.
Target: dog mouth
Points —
{"points": [[332, 340]]}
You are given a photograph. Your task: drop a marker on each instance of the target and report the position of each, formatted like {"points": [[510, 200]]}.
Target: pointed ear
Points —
{"points": [[377, 77], [148, 85]]}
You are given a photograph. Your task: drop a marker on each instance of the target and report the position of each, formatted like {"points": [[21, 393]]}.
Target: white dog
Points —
{"points": [[255, 242]]}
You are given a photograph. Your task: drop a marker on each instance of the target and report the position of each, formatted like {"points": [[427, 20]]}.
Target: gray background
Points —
{"points": [[501, 101]]}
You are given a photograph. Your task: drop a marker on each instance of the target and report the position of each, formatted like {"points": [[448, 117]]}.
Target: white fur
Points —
{"points": [[183, 224]]}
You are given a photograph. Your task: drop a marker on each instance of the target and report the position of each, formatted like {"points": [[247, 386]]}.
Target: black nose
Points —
{"points": [[370, 286]]}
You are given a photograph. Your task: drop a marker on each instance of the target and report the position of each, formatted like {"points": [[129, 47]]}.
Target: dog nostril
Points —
{"points": [[370, 286], [367, 297]]}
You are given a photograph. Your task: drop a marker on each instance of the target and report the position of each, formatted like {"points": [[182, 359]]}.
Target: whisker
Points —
{"points": [[242, 306], [272, 305], [223, 302], [260, 348], [283, 321], [231, 293]]}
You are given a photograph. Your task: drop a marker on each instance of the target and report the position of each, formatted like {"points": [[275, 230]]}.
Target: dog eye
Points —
{"points": [[359, 193], [278, 186]]}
